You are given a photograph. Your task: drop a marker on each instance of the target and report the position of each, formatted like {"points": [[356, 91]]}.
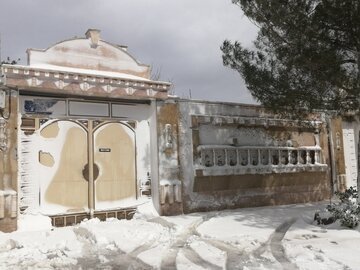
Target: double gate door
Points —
{"points": [[91, 165]]}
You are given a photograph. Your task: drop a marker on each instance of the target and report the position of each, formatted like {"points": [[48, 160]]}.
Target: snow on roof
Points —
{"points": [[89, 53], [89, 72]]}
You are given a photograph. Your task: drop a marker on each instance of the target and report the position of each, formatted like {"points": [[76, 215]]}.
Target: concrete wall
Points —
{"points": [[89, 53], [298, 173], [350, 137], [338, 162], [170, 200], [8, 165], [173, 138]]}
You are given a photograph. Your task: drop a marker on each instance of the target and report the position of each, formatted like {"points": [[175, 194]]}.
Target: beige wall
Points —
{"points": [[8, 166], [260, 190], [207, 124], [169, 174]]}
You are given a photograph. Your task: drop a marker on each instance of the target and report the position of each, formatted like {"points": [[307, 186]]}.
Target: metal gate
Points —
{"points": [[91, 165]]}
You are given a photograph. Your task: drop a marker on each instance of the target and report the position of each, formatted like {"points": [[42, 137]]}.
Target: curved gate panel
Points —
{"points": [[114, 156], [64, 153]]}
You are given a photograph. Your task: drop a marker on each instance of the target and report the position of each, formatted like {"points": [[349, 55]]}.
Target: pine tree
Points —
{"points": [[306, 55]]}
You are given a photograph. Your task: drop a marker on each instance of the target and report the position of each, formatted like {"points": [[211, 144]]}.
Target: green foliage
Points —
{"points": [[349, 194], [348, 209], [306, 56]]}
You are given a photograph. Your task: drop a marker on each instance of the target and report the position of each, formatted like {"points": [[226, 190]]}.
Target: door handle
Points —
{"points": [[85, 171]]}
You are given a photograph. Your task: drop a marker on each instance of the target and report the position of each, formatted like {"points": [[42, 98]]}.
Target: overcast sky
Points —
{"points": [[180, 39]]}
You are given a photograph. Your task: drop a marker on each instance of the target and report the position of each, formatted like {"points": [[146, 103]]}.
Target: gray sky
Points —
{"points": [[180, 39]]}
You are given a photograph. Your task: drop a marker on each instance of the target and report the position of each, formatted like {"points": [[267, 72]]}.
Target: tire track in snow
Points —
{"points": [[169, 261], [192, 255], [276, 247], [236, 258], [180, 242], [97, 257]]}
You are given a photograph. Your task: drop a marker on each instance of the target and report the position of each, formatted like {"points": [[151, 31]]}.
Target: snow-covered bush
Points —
{"points": [[347, 211]]}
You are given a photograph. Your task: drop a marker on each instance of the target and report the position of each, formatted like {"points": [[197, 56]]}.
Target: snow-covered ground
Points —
{"points": [[281, 237]]}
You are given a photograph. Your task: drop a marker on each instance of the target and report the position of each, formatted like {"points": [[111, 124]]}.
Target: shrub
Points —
{"points": [[347, 211]]}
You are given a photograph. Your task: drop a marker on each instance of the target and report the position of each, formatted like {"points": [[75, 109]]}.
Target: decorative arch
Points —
{"points": [[114, 121], [79, 53], [49, 122]]}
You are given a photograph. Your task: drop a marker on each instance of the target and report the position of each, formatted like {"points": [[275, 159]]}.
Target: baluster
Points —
{"points": [[214, 158], [308, 159], [203, 157], [226, 157], [248, 156], [298, 157], [279, 153], [270, 157], [259, 158], [289, 157], [238, 158], [317, 157]]}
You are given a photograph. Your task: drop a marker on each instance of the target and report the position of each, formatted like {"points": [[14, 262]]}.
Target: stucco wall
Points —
{"points": [[213, 127], [349, 148], [169, 174], [8, 164]]}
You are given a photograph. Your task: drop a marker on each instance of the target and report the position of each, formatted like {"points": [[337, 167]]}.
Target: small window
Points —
{"points": [[44, 106], [81, 108]]}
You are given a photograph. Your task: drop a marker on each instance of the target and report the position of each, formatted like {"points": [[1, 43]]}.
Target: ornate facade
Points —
{"points": [[85, 132]]}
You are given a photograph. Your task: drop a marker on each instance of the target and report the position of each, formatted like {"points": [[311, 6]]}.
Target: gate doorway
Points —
{"points": [[90, 165]]}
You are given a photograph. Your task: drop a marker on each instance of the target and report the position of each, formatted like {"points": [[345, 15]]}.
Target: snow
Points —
{"points": [[278, 237], [89, 72], [305, 243], [34, 222]]}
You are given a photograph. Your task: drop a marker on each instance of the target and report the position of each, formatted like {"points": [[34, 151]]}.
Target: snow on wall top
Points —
{"points": [[90, 53]]}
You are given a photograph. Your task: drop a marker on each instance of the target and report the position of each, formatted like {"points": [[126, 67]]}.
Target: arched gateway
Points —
{"points": [[65, 151], [86, 118]]}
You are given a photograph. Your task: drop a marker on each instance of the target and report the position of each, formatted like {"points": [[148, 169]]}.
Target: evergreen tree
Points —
{"points": [[306, 55]]}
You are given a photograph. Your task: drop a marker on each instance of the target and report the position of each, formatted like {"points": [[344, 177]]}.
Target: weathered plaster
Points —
{"points": [[8, 162], [169, 185], [82, 83], [346, 134], [84, 53], [234, 127]]}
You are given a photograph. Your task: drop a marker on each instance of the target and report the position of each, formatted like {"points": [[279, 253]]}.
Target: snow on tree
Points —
{"points": [[306, 55]]}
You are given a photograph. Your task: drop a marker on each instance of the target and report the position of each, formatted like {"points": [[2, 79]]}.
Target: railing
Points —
{"points": [[220, 159]]}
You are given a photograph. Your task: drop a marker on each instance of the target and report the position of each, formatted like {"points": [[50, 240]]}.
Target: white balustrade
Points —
{"points": [[221, 159]]}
